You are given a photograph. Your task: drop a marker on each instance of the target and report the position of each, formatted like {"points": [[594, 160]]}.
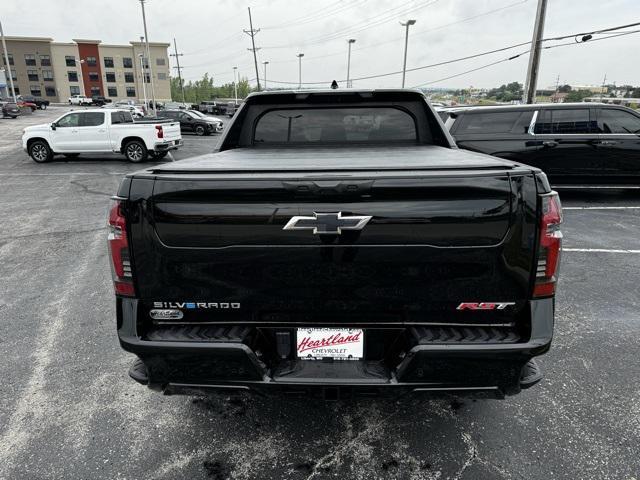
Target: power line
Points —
{"points": [[324, 13], [468, 57]]}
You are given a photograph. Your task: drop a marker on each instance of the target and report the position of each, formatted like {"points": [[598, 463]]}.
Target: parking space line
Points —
{"points": [[599, 250], [601, 208]]}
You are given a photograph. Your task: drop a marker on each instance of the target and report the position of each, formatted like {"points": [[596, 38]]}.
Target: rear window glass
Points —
{"points": [[569, 121], [515, 122], [335, 125]]}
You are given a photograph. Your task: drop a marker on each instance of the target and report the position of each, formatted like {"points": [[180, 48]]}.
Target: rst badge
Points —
{"points": [[165, 314], [484, 305]]}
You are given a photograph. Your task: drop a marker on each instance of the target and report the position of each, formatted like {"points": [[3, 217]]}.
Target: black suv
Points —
{"points": [[191, 121], [574, 143]]}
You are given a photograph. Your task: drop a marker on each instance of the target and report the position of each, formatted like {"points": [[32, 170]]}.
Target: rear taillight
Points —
{"points": [[119, 251], [550, 246], [159, 131]]}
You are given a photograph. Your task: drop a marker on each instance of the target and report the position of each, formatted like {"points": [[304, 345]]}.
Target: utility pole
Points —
{"points": [[300, 55], [252, 33], [406, 24], [178, 55], [146, 38], [604, 81], [235, 85], [144, 80], [6, 60], [265, 74], [557, 88], [351, 41], [531, 83]]}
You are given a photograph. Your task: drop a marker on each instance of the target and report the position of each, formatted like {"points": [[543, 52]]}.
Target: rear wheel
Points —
{"points": [[200, 130], [135, 151], [40, 152], [43, 107]]}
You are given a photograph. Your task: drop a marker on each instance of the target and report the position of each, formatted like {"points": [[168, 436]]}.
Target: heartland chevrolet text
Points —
{"points": [[337, 244]]}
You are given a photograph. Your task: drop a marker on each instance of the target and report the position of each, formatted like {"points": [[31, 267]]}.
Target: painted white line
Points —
{"points": [[60, 174], [601, 208], [599, 250]]}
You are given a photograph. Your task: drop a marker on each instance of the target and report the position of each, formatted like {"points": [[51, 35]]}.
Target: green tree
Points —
{"points": [[507, 93], [564, 88], [204, 89], [578, 95]]}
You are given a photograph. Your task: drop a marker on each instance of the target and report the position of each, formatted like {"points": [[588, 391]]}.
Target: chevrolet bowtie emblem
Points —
{"points": [[327, 223]]}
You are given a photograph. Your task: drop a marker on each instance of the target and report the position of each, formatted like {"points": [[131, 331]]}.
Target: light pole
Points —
{"points": [[351, 41], [300, 55], [265, 74], [235, 85], [8, 70], [144, 80], [406, 24], [80, 62], [146, 38]]}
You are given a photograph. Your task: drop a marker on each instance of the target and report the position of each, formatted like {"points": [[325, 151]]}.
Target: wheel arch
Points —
{"points": [[126, 140]]}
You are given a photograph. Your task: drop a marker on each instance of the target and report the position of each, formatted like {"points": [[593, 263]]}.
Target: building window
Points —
{"points": [[111, 77], [91, 61], [112, 91], [128, 77], [108, 62], [147, 78], [33, 75], [95, 91], [16, 90], [131, 92], [4, 60], [30, 60], [93, 76], [70, 61], [35, 90], [72, 76], [47, 74], [127, 62], [50, 91], [162, 76], [14, 75], [160, 61], [45, 60], [74, 90]]}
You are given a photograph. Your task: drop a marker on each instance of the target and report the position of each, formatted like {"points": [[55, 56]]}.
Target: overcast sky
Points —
{"points": [[209, 33]]}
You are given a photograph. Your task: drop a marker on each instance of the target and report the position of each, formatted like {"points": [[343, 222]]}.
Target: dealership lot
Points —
{"points": [[69, 410]]}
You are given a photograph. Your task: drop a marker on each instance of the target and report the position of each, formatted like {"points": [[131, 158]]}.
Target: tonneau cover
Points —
{"points": [[424, 157]]}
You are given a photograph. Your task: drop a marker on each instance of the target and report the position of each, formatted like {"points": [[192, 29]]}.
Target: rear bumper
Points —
{"points": [[187, 366], [166, 146]]}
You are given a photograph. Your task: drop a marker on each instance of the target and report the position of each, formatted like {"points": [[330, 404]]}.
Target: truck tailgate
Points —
{"points": [[217, 246]]}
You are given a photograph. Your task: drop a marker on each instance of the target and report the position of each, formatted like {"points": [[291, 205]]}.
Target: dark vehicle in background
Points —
{"points": [[337, 244], [9, 109], [100, 100], [232, 108], [192, 122], [40, 103], [212, 107], [574, 144]]}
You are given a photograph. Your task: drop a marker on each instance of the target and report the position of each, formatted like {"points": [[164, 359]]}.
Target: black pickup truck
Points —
{"points": [[338, 244]]}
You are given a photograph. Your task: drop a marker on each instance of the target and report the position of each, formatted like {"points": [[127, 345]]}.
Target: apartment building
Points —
{"points": [[57, 70]]}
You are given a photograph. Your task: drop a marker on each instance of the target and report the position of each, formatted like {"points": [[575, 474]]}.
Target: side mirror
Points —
{"points": [[53, 126]]}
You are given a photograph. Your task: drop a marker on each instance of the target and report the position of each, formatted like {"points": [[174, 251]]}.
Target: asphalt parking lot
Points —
{"points": [[68, 409]]}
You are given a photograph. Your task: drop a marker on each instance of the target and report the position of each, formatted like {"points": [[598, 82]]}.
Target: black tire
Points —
{"points": [[158, 155], [43, 107], [135, 151], [200, 130], [71, 155], [40, 152]]}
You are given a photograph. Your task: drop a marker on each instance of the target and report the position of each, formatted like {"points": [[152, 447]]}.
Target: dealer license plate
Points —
{"points": [[336, 343]]}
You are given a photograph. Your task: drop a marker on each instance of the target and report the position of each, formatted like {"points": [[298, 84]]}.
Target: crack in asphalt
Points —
{"points": [[88, 190]]}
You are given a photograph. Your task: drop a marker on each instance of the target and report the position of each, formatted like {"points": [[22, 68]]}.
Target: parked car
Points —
{"points": [[100, 100], [40, 103], [209, 118], [311, 254], [25, 104], [573, 143], [212, 107], [79, 100], [191, 122], [136, 111], [101, 130], [10, 109], [176, 106], [231, 109]]}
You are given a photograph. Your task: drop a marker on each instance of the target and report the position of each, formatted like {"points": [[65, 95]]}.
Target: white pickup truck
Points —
{"points": [[99, 131], [79, 100]]}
